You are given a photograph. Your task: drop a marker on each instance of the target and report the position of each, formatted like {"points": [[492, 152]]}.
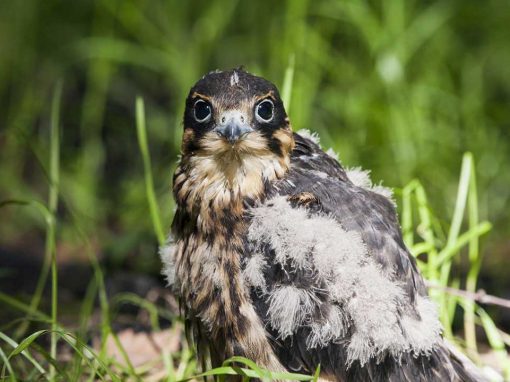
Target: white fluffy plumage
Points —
{"points": [[311, 135], [253, 271], [361, 178], [289, 307], [166, 253], [363, 296]]}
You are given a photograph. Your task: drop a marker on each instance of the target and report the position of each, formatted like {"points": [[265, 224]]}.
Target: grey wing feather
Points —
{"points": [[373, 217]]}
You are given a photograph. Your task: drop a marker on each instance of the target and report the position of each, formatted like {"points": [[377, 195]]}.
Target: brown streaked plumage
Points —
{"points": [[277, 256]]}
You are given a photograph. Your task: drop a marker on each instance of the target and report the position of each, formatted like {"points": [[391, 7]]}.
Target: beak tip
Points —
{"points": [[233, 132]]}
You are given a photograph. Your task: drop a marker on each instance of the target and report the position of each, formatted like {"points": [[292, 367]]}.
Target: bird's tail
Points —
{"points": [[465, 369]]}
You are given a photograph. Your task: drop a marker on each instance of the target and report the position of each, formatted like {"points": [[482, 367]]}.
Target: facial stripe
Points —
{"points": [[270, 94]]}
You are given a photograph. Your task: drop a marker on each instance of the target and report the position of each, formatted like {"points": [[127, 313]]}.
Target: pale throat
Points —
{"points": [[220, 173], [232, 176]]}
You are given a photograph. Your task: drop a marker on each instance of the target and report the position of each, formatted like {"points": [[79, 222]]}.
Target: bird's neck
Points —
{"points": [[214, 189]]}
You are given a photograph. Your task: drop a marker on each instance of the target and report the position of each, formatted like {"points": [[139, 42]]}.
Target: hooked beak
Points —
{"points": [[233, 126]]}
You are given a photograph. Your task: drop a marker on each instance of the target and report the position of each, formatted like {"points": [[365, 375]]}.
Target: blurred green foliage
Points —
{"points": [[401, 87]]}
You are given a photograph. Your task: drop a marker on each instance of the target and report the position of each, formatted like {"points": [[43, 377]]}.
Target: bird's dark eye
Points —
{"points": [[202, 111], [265, 111]]}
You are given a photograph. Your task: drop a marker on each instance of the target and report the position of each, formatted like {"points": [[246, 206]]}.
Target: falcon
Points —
{"points": [[281, 255]]}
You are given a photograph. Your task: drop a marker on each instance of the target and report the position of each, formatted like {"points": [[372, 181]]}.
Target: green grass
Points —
{"points": [[415, 91], [401, 87]]}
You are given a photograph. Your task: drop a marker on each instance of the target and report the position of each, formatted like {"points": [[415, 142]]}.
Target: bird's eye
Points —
{"points": [[202, 111], [265, 111]]}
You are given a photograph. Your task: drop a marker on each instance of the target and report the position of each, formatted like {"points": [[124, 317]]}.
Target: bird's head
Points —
{"points": [[236, 121]]}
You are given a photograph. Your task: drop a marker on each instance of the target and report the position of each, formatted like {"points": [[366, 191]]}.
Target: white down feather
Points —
{"points": [[362, 294]]}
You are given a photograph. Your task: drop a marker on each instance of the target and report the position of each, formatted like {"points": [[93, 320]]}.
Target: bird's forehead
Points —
{"points": [[233, 87]]}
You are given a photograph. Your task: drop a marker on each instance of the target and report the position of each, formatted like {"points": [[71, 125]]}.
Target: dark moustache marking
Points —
{"points": [[275, 146]]}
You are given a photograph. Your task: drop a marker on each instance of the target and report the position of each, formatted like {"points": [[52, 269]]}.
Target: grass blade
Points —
{"points": [[447, 253], [426, 231], [475, 259], [317, 373], [495, 340], [27, 342], [228, 370], [149, 184], [460, 202], [287, 83], [7, 365], [52, 206], [24, 353], [407, 214], [262, 374]]}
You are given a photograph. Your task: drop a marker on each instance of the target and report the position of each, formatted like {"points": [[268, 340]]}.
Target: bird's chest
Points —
{"points": [[210, 227], [210, 283], [209, 276]]}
